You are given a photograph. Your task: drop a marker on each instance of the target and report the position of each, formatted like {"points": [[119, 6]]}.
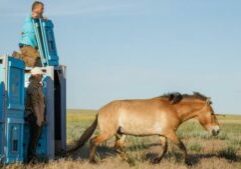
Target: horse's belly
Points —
{"points": [[140, 123], [141, 129]]}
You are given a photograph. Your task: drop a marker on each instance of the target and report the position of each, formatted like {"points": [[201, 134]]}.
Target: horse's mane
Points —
{"points": [[173, 97], [176, 97]]}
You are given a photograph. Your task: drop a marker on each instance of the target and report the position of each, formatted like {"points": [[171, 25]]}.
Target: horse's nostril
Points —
{"points": [[215, 132]]}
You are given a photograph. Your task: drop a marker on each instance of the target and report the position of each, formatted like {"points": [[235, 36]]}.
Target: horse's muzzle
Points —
{"points": [[215, 131]]}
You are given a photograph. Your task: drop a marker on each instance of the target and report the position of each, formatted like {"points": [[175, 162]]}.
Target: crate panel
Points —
{"points": [[49, 42], [46, 42], [14, 141], [15, 88]]}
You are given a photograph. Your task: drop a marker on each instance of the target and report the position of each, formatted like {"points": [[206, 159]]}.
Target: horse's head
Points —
{"points": [[207, 118]]}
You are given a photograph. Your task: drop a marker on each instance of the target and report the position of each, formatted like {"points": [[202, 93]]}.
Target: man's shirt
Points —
{"points": [[28, 34]]}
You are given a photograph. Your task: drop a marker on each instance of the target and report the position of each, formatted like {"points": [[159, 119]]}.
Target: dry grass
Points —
{"points": [[221, 152]]}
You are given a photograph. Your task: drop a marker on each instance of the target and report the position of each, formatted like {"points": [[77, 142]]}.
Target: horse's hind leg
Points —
{"points": [[163, 142], [96, 141]]}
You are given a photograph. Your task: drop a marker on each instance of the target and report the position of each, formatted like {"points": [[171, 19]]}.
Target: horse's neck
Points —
{"points": [[191, 111]]}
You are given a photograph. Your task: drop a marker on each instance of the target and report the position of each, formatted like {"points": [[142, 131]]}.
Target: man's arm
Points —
{"points": [[37, 107]]}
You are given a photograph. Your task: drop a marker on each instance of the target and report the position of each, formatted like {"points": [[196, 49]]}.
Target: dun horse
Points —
{"points": [[145, 117]]}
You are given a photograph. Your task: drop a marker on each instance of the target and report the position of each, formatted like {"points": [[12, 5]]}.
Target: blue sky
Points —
{"points": [[140, 48]]}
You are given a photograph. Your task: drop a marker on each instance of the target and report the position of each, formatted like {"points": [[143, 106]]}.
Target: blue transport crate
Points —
{"points": [[11, 109], [46, 42], [53, 136], [14, 131]]}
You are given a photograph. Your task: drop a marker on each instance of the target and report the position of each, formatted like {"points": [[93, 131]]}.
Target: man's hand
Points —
{"points": [[39, 122], [36, 15], [39, 115]]}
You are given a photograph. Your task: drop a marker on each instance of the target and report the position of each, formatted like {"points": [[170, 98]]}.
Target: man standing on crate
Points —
{"points": [[28, 43], [34, 108]]}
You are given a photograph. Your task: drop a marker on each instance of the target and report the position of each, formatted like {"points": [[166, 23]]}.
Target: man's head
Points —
{"points": [[37, 73], [37, 9]]}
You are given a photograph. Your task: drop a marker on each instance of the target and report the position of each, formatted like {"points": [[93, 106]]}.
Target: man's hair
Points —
{"points": [[36, 3]]}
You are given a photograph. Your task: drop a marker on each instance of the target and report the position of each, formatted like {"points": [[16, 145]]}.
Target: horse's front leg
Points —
{"points": [[173, 137]]}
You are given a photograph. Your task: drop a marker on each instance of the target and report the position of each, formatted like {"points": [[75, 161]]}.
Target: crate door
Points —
{"points": [[49, 42], [15, 88]]}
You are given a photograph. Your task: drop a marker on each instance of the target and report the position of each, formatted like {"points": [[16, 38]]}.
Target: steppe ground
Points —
{"points": [[205, 151]]}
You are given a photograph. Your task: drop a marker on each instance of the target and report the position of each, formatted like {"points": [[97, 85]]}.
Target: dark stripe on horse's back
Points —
{"points": [[176, 97]]}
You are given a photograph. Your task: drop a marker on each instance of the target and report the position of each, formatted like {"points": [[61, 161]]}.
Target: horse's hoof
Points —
{"points": [[156, 160], [93, 161], [118, 151], [188, 162], [123, 156]]}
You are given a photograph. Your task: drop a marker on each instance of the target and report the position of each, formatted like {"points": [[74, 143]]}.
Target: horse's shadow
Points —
{"points": [[106, 151], [194, 159], [83, 153]]}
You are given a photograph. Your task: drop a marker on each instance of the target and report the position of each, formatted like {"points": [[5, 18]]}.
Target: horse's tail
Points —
{"points": [[85, 136]]}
